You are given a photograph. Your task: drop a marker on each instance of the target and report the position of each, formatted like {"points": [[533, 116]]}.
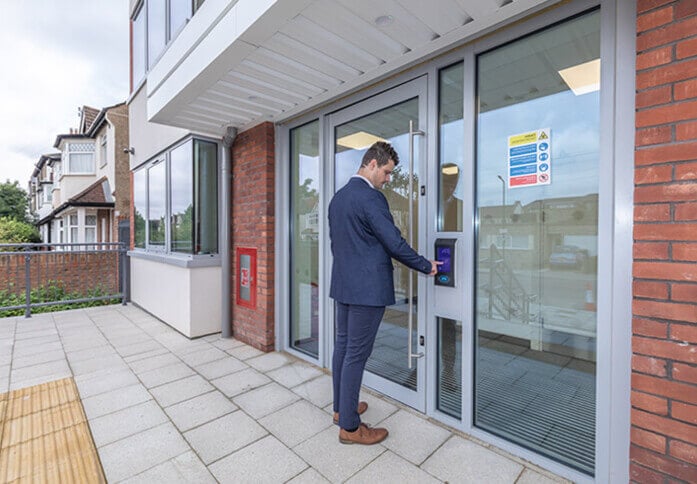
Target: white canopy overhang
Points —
{"points": [[239, 63]]}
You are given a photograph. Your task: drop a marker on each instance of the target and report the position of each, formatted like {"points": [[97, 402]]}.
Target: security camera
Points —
{"points": [[129, 150]]}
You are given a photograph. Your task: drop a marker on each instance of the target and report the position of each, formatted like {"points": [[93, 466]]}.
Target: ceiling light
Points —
{"points": [[450, 169], [383, 20], [582, 78], [358, 141]]}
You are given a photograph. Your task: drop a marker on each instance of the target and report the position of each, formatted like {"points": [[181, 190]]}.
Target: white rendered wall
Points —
{"points": [[188, 299], [146, 138]]}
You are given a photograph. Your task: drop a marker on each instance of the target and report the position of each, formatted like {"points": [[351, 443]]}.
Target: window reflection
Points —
{"points": [[139, 206], [304, 149], [157, 193], [451, 148], [537, 244], [182, 198]]}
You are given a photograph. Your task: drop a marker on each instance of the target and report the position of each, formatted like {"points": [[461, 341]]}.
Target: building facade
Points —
{"points": [[539, 141], [82, 193]]}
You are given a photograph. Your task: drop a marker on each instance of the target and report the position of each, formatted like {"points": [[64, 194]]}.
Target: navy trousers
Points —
{"points": [[356, 329]]}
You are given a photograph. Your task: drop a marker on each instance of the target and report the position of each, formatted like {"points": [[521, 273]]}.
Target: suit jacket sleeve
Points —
{"points": [[382, 225]]}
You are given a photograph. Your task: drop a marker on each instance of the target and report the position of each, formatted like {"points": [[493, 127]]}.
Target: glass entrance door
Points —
{"points": [[396, 366]]}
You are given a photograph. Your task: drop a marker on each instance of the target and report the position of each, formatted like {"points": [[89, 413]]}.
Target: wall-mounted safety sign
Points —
{"points": [[530, 158], [246, 279]]}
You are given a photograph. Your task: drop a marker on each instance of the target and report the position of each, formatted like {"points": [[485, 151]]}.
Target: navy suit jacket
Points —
{"points": [[364, 239]]}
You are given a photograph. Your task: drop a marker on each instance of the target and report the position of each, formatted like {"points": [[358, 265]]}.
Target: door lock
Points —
{"points": [[422, 340]]}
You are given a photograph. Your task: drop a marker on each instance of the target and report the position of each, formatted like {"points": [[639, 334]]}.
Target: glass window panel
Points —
{"points": [[81, 163], [138, 57], [451, 148], [206, 196], [535, 357], [90, 234], [157, 202], [139, 206], [305, 223], [449, 395], [182, 198], [73, 220], [90, 220], [157, 29], [179, 13]]}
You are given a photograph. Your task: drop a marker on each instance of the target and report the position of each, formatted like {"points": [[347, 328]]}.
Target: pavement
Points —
{"points": [[164, 408]]}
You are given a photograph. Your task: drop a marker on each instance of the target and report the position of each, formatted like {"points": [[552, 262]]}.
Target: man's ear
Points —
{"points": [[373, 164]]}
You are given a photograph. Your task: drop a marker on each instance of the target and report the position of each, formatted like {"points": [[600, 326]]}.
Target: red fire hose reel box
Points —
{"points": [[246, 277]]}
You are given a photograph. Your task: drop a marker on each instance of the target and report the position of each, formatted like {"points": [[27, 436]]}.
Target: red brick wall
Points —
{"points": [[253, 226], [664, 361], [73, 271]]}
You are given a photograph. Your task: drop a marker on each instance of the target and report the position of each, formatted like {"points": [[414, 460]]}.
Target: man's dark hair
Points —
{"points": [[381, 151]]}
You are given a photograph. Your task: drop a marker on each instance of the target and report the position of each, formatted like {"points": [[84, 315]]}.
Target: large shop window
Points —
{"points": [[537, 159], [304, 255], [178, 196]]}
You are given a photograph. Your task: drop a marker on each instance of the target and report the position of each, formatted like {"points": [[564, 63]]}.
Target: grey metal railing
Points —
{"points": [[506, 294], [40, 275]]}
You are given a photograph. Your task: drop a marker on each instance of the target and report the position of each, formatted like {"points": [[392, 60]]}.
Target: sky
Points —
{"points": [[56, 56]]}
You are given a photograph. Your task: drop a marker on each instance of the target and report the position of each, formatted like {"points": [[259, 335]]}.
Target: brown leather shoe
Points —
{"points": [[363, 435], [362, 407]]}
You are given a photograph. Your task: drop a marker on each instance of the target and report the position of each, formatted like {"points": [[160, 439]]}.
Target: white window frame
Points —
{"points": [[102, 150], [68, 158]]}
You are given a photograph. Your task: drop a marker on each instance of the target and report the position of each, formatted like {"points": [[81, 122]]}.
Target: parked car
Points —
{"points": [[568, 256]]}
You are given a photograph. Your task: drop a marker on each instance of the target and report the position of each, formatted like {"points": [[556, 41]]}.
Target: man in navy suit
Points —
{"points": [[364, 239]]}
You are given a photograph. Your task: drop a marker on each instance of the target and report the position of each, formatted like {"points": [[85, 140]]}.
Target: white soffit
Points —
{"points": [[239, 63]]}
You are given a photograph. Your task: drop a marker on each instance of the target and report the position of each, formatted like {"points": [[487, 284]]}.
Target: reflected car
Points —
{"points": [[568, 256]]}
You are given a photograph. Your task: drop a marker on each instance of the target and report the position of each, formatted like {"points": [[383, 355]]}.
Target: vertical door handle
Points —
{"points": [[410, 194]]}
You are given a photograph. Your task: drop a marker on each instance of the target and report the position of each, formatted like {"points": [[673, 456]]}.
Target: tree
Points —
{"points": [[14, 231], [13, 201]]}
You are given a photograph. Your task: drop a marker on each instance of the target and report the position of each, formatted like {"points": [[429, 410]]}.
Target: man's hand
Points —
{"points": [[434, 267]]}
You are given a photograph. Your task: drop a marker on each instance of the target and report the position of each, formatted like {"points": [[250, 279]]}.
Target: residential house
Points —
{"points": [[88, 180], [582, 112]]}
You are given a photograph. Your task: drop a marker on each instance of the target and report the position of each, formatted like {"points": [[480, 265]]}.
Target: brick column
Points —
{"points": [[252, 211], [664, 360]]}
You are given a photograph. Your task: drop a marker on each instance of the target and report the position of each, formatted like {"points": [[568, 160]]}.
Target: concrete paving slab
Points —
{"points": [[218, 368], [318, 391], [166, 374], [389, 467], [115, 400], [40, 370], [463, 461], [294, 374], [123, 423], [105, 381], [183, 469], [180, 390], [89, 353], [38, 358], [296, 423], [531, 477], [199, 410], [148, 354], [227, 343], [154, 362], [244, 352], [412, 437], [26, 350], [336, 461], [252, 464], [224, 435], [264, 400], [309, 476], [137, 453], [240, 382], [144, 346], [269, 361], [95, 364], [205, 355]]}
